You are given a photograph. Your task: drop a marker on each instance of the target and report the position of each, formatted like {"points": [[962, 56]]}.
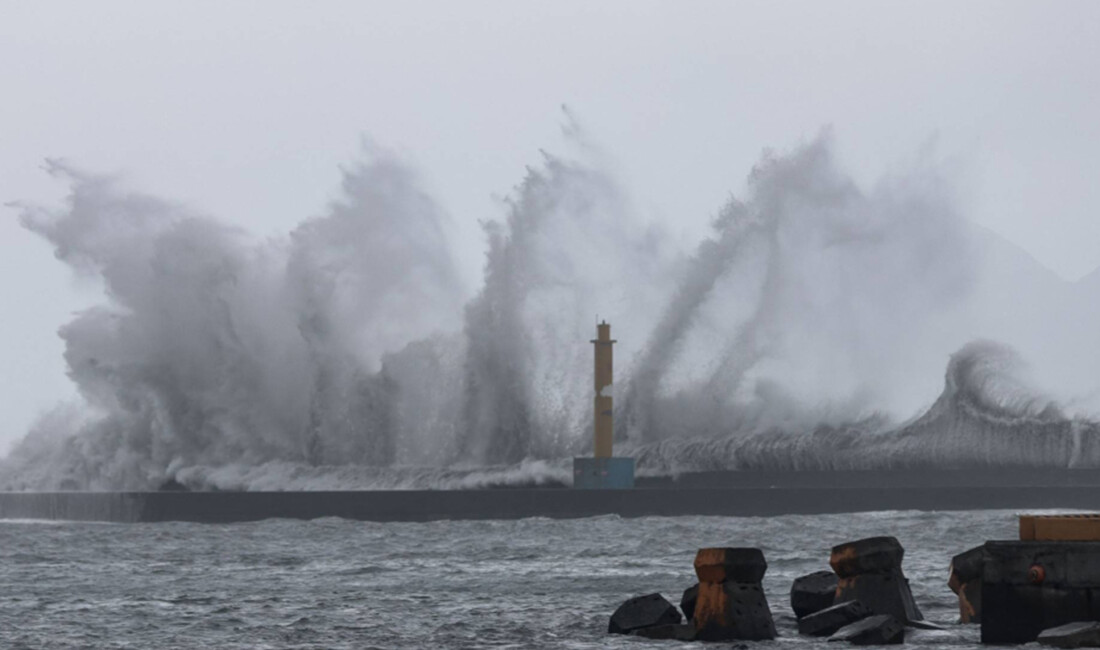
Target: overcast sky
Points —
{"points": [[246, 110]]}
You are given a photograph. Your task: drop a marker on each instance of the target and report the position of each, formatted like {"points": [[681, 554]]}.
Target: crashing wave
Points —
{"points": [[985, 417], [346, 354]]}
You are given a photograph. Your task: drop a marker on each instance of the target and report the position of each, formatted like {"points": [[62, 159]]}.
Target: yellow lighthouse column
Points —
{"points": [[604, 375], [603, 471]]}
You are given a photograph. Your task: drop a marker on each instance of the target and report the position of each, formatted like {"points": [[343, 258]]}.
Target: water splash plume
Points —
{"points": [[804, 332]]}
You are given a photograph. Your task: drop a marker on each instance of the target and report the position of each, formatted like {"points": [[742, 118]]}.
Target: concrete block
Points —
{"points": [[642, 612], [883, 593], [745, 565], [813, 593], [831, 619], [728, 611], [966, 581], [687, 601], [869, 571], [866, 556], [968, 565], [881, 629], [1064, 528], [1072, 635], [1031, 586]]}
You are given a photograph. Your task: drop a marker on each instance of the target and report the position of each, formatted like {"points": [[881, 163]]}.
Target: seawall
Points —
{"points": [[428, 505]]}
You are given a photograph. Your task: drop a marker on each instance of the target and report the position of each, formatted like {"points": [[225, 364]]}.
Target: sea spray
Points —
{"points": [[211, 348], [801, 334], [836, 289], [570, 248], [986, 416]]}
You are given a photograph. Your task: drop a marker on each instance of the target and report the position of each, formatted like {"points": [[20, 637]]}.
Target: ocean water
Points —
{"points": [[534, 583]]}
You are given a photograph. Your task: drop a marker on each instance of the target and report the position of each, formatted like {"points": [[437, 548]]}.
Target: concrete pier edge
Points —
{"points": [[518, 503]]}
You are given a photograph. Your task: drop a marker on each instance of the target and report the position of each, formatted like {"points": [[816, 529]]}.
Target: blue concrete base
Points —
{"points": [[603, 473]]}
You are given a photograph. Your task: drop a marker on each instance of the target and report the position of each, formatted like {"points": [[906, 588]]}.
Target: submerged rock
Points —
{"points": [[641, 612], [813, 593]]}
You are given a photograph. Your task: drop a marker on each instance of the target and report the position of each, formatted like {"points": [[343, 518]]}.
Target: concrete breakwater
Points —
{"points": [[517, 503], [728, 601], [1042, 587]]}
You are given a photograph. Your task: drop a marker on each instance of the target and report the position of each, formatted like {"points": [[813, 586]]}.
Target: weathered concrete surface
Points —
{"points": [[881, 629], [687, 601], [884, 592], [122, 507], [431, 505], [731, 604], [1072, 635], [870, 572], [965, 579], [866, 556], [968, 565], [1060, 528], [729, 611], [1031, 586], [831, 619], [730, 565], [641, 612], [813, 593]]}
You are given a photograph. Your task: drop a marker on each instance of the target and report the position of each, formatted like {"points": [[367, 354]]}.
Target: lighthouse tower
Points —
{"points": [[603, 425], [603, 470]]}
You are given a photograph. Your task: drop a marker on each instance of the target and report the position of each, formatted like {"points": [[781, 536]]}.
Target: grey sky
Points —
{"points": [[245, 110]]}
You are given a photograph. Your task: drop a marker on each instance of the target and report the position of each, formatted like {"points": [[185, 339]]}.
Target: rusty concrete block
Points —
{"points": [[965, 581], [968, 564], [1062, 528], [866, 556], [1031, 586], [869, 571], [728, 611], [730, 565]]}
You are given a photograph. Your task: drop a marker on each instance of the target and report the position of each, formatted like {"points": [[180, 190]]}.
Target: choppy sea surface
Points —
{"points": [[534, 583]]}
